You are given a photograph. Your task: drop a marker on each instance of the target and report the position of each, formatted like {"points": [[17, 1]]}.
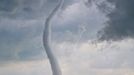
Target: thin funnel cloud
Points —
{"points": [[47, 41]]}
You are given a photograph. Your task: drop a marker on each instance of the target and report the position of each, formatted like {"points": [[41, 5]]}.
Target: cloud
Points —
{"points": [[73, 18], [17, 37], [21, 48], [23, 9], [89, 59], [121, 20], [26, 68], [8, 8], [23, 36], [115, 55]]}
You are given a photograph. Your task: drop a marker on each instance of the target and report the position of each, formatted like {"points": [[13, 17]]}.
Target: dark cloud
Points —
{"points": [[121, 20], [8, 5], [28, 9], [23, 9]]}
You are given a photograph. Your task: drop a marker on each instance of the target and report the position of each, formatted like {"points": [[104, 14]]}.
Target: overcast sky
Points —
{"points": [[74, 30]]}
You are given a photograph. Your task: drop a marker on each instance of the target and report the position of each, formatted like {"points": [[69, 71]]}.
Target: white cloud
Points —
{"points": [[26, 68], [86, 58]]}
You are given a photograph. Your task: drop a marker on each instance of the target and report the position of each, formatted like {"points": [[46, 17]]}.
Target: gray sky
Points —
{"points": [[75, 26], [120, 25]]}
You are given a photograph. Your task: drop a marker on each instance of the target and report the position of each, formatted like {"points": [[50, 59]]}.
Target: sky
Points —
{"points": [[89, 37]]}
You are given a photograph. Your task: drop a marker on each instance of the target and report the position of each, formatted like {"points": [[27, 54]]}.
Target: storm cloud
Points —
{"points": [[73, 29], [120, 23]]}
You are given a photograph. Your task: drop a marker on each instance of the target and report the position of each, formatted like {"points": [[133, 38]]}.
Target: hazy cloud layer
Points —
{"points": [[112, 59]]}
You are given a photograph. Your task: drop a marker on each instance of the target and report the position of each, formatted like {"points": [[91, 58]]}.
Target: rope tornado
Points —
{"points": [[47, 40]]}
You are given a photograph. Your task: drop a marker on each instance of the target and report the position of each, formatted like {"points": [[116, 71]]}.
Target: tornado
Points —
{"points": [[47, 41]]}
